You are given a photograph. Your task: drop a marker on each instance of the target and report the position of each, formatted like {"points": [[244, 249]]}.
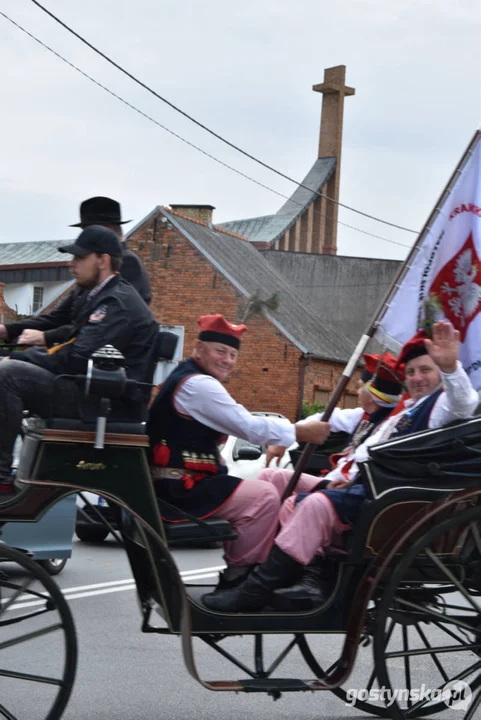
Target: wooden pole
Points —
{"points": [[371, 330]]}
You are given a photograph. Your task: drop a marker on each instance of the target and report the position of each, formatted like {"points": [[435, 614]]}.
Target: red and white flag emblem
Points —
{"points": [[446, 270], [457, 288]]}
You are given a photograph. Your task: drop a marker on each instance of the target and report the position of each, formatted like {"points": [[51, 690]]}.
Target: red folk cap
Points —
{"points": [[215, 328], [415, 347], [383, 371]]}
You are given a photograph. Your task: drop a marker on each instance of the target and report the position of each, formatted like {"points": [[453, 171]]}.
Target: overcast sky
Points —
{"points": [[246, 70]]}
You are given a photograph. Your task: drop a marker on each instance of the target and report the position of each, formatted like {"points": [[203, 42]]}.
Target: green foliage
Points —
{"points": [[311, 409]]}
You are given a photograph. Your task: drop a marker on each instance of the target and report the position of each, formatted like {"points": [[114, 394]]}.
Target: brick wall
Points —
{"points": [[6, 312], [196, 212], [185, 285], [323, 376]]}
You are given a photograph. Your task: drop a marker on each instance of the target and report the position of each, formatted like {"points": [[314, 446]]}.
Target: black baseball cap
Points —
{"points": [[95, 239]]}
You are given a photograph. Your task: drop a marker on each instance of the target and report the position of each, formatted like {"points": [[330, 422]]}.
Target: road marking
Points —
{"points": [[83, 591]]}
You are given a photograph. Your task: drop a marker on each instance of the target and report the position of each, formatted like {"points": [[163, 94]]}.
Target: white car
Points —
{"points": [[243, 459], [246, 460]]}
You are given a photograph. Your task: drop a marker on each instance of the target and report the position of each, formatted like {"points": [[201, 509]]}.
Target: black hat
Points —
{"points": [[100, 210], [95, 239]]}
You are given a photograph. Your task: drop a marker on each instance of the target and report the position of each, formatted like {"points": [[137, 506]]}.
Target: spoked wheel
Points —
{"points": [[363, 682], [427, 640], [363, 690], [38, 646]]}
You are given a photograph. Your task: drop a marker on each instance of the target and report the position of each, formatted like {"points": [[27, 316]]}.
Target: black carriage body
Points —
{"points": [[64, 459]]}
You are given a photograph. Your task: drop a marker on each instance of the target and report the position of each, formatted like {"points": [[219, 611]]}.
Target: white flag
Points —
{"points": [[446, 271]]}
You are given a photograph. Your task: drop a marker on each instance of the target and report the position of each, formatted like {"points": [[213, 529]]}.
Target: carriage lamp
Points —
{"points": [[106, 377]]}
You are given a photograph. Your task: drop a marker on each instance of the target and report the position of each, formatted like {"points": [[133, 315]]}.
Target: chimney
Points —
{"points": [[196, 212], [334, 91]]}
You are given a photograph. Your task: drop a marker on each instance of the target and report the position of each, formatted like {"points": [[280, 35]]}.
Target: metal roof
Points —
{"points": [[348, 290], [249, 272], [269, 228], [30, 253]]}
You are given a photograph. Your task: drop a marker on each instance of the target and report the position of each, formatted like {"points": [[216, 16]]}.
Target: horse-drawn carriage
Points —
{"points": [[406, 588]]}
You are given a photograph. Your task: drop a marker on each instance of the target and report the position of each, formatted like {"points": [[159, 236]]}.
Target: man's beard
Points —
{"points": [[91, 282]]}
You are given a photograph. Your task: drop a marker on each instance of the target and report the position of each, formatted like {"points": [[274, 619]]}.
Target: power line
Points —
{"points": [[207, 129], [179, 137]]}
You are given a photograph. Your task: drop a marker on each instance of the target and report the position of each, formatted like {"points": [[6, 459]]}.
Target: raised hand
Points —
{"points": [[444, 347]]}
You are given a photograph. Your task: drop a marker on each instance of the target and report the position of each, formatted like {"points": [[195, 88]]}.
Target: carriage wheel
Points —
{"points": [[428, 629], [38, 646], [368, 681], [365, 681]]}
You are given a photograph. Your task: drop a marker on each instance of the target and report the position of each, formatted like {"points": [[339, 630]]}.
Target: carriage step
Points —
{"points": [[275, 686]]}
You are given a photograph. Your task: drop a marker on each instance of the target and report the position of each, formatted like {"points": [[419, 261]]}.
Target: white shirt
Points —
{"points": [[206, 400], [341, 420], [458, 401]]}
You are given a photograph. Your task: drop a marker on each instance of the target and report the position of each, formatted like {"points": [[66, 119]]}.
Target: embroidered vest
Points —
{"points": [[367, 425], [177, 440], [417, 418]]}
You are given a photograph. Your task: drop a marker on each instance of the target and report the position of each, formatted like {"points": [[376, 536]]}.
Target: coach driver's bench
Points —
{"points": [[106, 455]]}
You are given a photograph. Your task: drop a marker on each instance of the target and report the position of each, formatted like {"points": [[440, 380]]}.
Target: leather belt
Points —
{"points": [[166, 473]]}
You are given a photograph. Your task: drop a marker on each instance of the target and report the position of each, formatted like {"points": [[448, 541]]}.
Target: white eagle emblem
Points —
{"points": [[465, 296], [457, 287]]}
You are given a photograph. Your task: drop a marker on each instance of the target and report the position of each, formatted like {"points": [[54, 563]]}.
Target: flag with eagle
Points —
{"points": [[443, 277]]}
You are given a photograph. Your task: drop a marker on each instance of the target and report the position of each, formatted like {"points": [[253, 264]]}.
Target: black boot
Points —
{"points": [[253, 594], [309, 593], [232, 576]]}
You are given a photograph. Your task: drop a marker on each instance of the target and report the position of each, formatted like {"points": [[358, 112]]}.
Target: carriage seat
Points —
{"points": [[124, 428], [33, 430]]}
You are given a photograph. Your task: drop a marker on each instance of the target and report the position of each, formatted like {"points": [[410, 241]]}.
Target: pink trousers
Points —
{"points": [[253, 511], [311, 525]]}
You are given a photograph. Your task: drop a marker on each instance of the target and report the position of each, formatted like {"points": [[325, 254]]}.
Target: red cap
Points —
{"points": [[215, 328], [415, 347], [382, 370]]}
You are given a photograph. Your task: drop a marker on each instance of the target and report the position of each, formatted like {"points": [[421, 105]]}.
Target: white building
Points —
{"points": [[34, 273]]}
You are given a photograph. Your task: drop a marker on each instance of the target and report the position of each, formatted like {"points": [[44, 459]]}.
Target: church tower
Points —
{"points": [[307, 222]]}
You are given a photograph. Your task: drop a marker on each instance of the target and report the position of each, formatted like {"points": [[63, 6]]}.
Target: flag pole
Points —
{"points": [[371, 330]]}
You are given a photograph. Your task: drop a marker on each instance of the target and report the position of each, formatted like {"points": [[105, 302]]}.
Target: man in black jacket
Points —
{"points": [[111, 312], [105, 211], [55, 327]]}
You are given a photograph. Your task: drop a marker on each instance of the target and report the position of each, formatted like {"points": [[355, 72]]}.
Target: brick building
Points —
{"points": [[290, 352]]}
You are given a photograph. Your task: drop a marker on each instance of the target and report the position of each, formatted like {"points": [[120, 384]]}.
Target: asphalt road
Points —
{"points": [[126, 675]]}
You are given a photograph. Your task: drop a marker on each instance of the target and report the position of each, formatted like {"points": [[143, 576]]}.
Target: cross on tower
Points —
{"points": [[334, 90]]}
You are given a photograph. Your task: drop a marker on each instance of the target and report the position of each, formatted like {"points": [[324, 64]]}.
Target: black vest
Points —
{"points": [[180, 441], [417, 418]]}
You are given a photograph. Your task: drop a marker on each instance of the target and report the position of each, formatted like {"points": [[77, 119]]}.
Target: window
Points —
{"points": [[321, 397], [37, 298], [350, 400]]}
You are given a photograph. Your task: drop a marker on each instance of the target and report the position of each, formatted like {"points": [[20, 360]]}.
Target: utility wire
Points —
{"points": [[207, 129], [179, 137]]}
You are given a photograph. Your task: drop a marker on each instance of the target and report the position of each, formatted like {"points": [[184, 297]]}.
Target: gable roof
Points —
{"points": [[248, 271], [348, 290], [32, 253], [269, 228]]}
